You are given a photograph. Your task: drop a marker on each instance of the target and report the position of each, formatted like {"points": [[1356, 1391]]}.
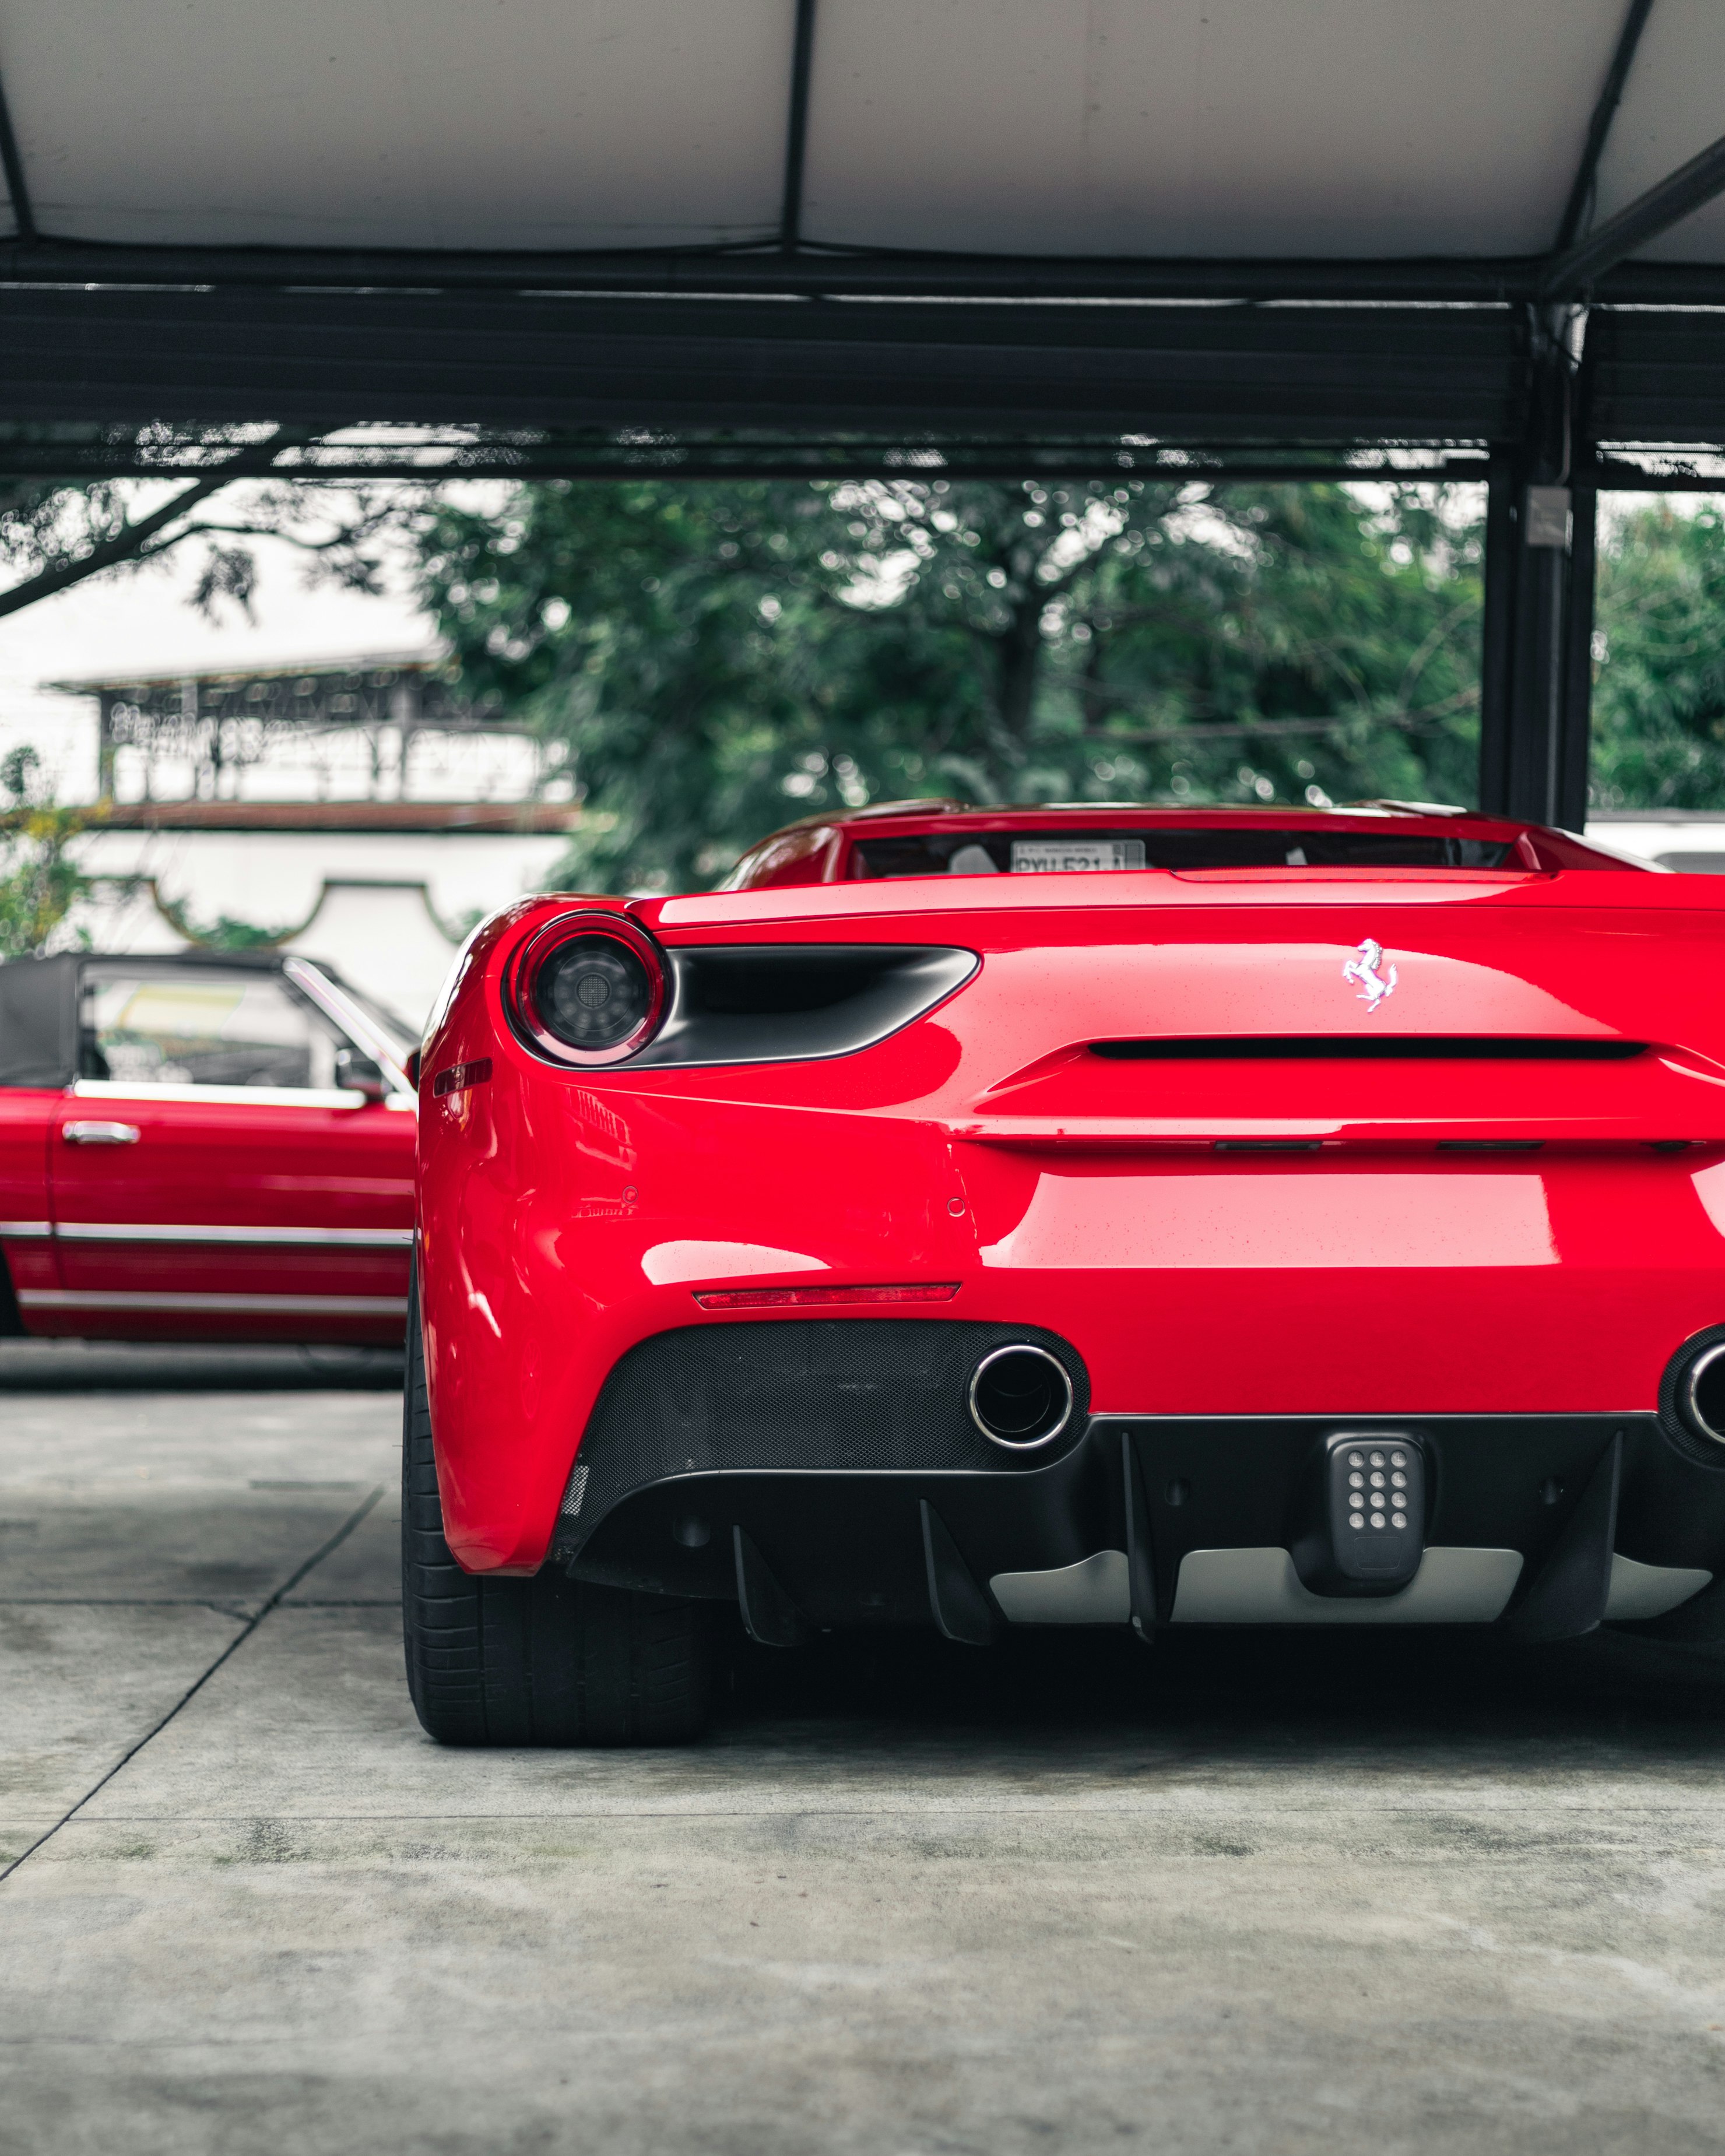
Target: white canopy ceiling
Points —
{"points": [[1203, 128]]}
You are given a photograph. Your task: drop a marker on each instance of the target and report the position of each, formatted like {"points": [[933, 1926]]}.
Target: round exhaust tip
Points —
{"points": [[1701, 1393], [1021, 1397]]}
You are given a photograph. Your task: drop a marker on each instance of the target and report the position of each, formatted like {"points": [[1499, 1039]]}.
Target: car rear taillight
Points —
{"points": [[589, 988]]}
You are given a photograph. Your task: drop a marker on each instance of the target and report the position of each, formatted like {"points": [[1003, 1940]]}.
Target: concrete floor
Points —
{"points": [[1246, 1893]]}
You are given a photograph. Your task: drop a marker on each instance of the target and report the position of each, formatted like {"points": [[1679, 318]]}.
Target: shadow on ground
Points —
{"points": [[1403, 1689]]}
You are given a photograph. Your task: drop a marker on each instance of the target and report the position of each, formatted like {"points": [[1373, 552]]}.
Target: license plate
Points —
{"points": [[1039, 855]]}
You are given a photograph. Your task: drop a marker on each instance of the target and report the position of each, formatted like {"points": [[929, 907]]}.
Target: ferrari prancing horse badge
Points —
{"points": [[1366, 967]]}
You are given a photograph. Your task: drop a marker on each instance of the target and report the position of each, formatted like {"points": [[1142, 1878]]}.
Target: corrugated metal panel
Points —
{"points": [[1198, 374], [1656, 377]]}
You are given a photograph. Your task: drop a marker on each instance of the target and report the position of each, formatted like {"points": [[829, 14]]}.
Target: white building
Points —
{"points": [[356, 810]]}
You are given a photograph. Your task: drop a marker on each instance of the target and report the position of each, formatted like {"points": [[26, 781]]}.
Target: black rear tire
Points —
{"points": [[546, 1660]]}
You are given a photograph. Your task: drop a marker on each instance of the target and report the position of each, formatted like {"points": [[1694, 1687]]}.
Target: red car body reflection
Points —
{"points": [[202, 1148], [1259, 1127]]}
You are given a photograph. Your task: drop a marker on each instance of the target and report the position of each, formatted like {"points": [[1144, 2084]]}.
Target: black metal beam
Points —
{"points": [[1577, 211], [1496, 638], [817, 272], [796, 133], [809, 272], [1674, 198], [1575, 693], [1545, 735], [1263, 377], [1533, 730], [11, 166], [1536, 680], [1616, 475], [1582, 469], [888, 458], [820, 272]]}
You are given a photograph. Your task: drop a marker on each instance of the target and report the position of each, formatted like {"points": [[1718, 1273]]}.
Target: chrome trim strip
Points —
{"points": [[1017, 1444], [353, 1020], [26, 1231], [125, 1231], [220, 1096], [1686, 1393], [1261, 1586], [329, 1306]]}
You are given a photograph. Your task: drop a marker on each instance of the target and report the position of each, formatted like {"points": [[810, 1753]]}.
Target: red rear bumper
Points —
{"points": [[1355, 1285]]}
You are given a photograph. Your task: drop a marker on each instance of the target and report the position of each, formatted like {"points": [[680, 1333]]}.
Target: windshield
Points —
{"points": [[998, 853], [395, 1029]]}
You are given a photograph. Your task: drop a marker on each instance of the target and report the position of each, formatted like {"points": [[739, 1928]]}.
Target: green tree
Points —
{"points": [[38, 882], [214, 491], [718, 658], [1658, 660]]}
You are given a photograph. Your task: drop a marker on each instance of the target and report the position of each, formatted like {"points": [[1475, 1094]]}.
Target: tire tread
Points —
{"points": [[542, 1661]]}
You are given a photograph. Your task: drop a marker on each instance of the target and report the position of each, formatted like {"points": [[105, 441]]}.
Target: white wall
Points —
{"points": [[272, 877], [387, 909]]}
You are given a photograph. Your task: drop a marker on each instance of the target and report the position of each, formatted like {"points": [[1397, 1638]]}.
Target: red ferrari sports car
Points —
{"points": [[207, 1146], [1097, 1215]]}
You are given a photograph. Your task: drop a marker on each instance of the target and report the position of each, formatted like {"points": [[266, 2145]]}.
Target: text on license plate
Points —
{"points": [[1044, 854]]}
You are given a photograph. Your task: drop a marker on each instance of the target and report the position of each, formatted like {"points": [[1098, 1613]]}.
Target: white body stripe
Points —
{"points": [[221, 1096], [126, 1231], [320, 1305]]}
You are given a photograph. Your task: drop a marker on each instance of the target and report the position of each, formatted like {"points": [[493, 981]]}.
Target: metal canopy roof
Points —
{"points": [[221, 210], [1127, 235], [1200, 131]]}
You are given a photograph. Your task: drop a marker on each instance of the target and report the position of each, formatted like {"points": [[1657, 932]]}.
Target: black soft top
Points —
{"points": [[39, 1004]]}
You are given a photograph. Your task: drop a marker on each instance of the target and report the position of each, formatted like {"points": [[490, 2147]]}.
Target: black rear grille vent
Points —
{"points": [[786, 1002], [1370, 1048]]}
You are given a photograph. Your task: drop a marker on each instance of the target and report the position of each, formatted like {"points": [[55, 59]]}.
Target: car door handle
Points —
{"points": [[102, 1133]]}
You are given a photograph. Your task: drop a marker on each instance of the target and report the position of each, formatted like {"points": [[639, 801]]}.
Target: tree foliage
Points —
{"points": [[715, 660], [1659, 661], [712, 659], [232, 487], [38, 882]]}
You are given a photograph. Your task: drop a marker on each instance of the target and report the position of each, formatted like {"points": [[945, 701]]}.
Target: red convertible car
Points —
{"points": [[1100, 1215], [207, 1146]]}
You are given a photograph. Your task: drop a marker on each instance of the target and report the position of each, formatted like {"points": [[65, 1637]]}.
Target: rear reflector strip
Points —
{"points": [[780, 1298], [1376, 1048], [460, 1076]]}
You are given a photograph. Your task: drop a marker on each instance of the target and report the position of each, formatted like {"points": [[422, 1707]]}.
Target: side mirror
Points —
{"points": [[360, 1074]]}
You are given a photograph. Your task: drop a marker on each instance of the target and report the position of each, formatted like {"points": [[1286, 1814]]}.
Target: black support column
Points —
{"points": [[1575, 718], [1536, 661]]}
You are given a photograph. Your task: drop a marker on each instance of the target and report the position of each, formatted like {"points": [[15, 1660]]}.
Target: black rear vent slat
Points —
{"points": [[790, 1002], [1370, 1048]]}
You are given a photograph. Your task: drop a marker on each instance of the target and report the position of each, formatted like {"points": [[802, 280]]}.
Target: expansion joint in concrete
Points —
{"points": [[248, 1627]]}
